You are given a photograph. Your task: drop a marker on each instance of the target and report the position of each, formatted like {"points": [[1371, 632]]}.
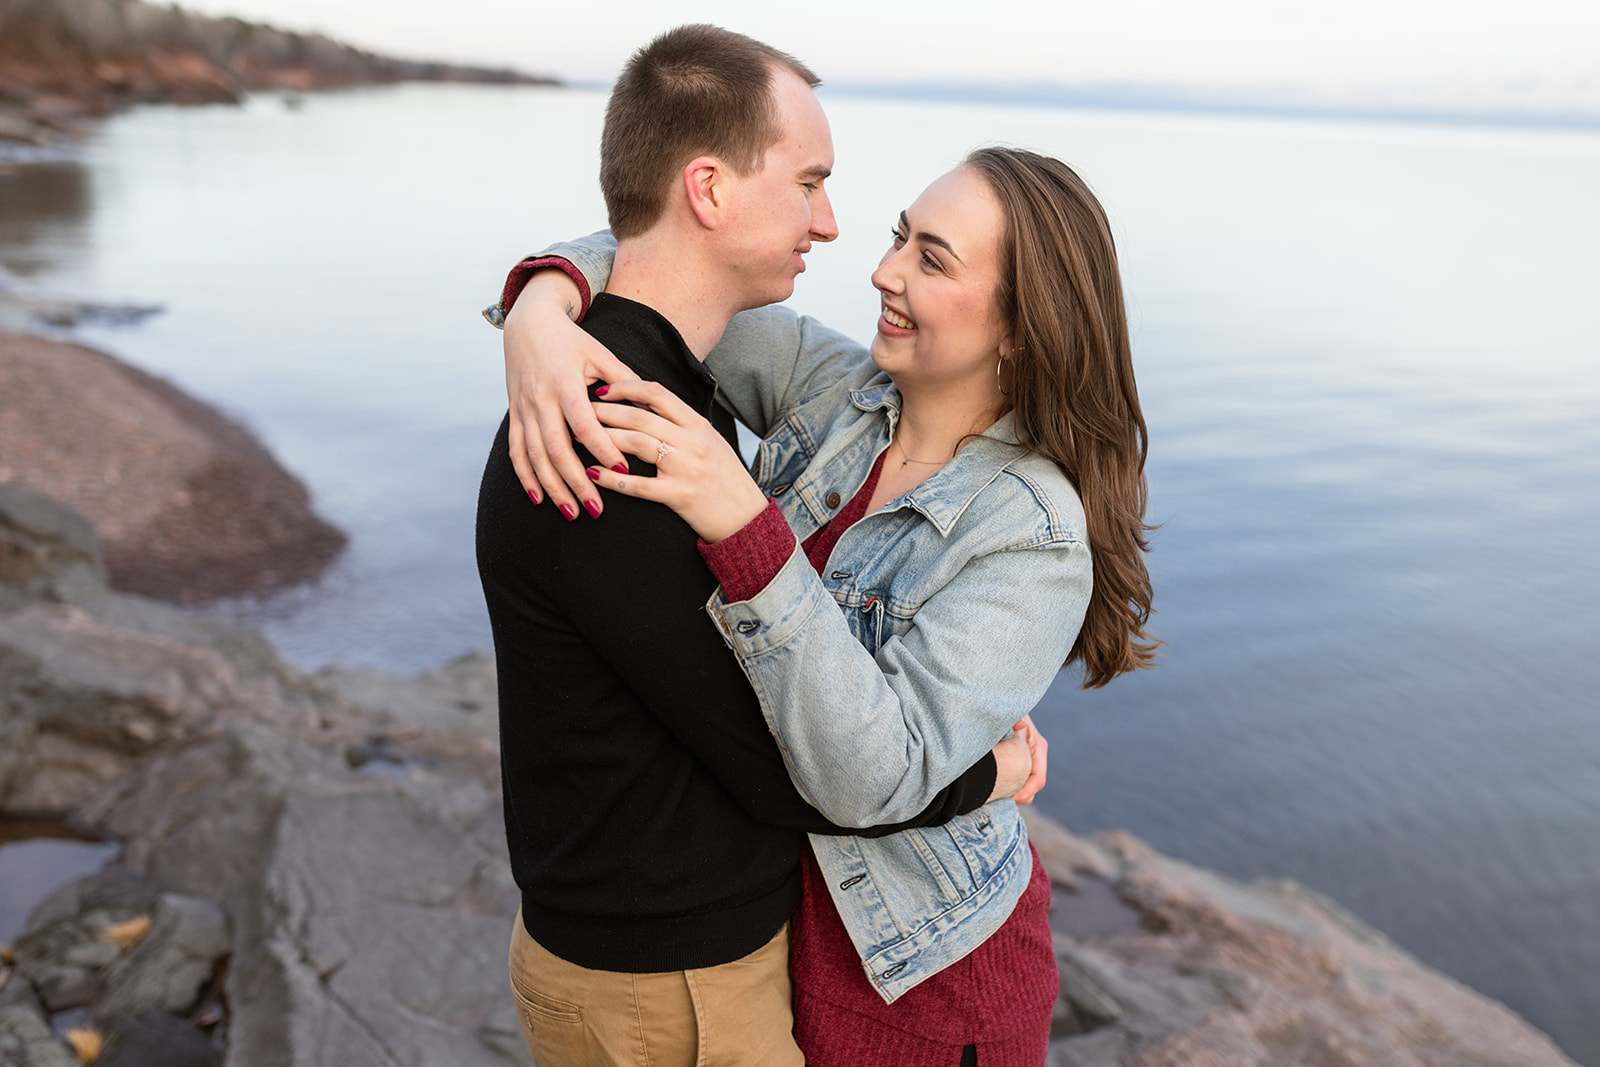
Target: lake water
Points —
{"points": [[1369, 355]]}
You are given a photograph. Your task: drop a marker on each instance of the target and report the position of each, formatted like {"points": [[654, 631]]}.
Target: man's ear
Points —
{"points": [[704, 180]]}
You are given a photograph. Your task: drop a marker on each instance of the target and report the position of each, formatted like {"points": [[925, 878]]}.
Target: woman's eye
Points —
{"points": [[928, 260]]}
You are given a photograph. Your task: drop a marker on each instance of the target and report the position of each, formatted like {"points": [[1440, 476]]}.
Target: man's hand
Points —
{"points": [[550, 364], [1020, 763]]}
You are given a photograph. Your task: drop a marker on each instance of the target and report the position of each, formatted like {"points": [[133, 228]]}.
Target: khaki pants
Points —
{"points": [[733, 1015]]}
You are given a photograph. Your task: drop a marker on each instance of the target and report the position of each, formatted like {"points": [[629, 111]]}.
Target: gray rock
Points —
{"points": [[349, 825], [371, 913], [25, 1036], [459, 697], [87, 690], [63, 953], [169, 969], [153, 1038], [41, 540]]}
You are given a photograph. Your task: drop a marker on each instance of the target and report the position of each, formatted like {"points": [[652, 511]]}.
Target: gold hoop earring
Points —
{"points": [[1001, 362]]}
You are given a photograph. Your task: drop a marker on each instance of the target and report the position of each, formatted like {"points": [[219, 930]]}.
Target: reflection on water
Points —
{"points": [[1369, 364], [37, 857], [43, 208]]}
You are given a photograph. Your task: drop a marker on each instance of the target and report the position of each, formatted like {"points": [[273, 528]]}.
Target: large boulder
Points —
{"points": [[1209, 972], [189, 506]]}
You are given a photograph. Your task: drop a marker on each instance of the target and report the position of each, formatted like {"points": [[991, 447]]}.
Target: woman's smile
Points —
{"points": [[897, 321]]}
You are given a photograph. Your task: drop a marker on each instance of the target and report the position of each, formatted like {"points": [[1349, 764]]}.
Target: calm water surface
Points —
{"points": [[1370, 359]]}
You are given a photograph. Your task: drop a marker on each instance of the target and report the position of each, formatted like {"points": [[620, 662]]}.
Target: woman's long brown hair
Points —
{"points": [[1070, 384]]}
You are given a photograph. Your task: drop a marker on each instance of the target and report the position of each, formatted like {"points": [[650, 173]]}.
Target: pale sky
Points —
{"points": [[1533, 54]]}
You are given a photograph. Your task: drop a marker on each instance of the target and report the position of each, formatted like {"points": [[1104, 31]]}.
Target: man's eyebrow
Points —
{"points": [[929, 238], [816, 174]]}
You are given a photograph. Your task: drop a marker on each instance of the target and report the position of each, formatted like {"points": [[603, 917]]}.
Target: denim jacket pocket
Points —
{"points": [[866, 622], [781, 458]]}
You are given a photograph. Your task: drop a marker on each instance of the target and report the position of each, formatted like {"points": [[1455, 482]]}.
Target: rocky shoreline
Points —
{"points": [[312, 872], [64, 63], [189, 506]]}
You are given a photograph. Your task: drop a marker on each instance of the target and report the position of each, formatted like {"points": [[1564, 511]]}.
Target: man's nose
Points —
{"points": [[823, 225]]}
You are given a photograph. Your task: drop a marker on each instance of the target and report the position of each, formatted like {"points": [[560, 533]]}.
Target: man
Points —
{"points": [[652, 827]]}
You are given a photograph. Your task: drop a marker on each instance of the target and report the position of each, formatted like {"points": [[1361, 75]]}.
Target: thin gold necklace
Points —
{"points": [[906, 459]]}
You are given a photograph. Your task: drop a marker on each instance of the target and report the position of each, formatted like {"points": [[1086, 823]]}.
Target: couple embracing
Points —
{"points": [[764, 734]]}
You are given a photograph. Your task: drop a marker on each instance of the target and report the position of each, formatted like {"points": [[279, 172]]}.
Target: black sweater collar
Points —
{"points": [[642, 338]]}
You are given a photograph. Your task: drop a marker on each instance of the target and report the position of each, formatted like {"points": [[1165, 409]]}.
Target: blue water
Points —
{"points": [[1370, 361]]}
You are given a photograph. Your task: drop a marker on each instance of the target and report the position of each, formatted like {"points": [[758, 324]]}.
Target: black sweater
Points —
{"points": [[651, 822]]}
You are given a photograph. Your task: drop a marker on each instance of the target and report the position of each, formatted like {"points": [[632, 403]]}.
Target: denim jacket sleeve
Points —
{"points": [[768, 357], [870, 735], [592, 255]]}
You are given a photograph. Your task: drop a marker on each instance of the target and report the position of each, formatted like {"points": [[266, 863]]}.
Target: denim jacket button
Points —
{"points": [[749, 626], [832, 501]]}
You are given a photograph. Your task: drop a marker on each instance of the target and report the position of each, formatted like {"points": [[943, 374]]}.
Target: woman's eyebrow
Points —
{"points": [[929, 238]]}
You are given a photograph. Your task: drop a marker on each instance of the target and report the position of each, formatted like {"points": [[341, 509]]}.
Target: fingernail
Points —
{"points": [[569, 512], [592, 508], [603, 390], [532, 496], [593, 473], [620, 468]]}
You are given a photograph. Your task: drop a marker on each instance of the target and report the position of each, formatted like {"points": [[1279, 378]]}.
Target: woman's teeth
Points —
{"points": [[893, 318]]}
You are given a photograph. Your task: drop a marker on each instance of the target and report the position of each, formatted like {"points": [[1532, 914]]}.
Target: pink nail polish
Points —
{"points": [[593, 473], [592, 508], [569, 512], [620, 468], [533, 497], [603, 390]]}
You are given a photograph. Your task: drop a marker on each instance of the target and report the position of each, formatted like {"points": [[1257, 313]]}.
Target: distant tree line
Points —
{"points": [[107, 54]]}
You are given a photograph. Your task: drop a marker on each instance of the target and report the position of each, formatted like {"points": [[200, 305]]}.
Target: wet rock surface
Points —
{"points": [[313, 874]]}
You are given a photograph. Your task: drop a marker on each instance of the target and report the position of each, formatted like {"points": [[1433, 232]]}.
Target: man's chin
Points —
{"points": [[783, 292]]}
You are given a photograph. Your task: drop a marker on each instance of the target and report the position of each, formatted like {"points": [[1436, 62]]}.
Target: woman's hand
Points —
{"points": [[550, 363], [698, 474], [1020, 762]]}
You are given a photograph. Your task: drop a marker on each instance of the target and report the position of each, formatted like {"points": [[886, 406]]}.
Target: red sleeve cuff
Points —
{"points": [[746, 562], [518, 278]]}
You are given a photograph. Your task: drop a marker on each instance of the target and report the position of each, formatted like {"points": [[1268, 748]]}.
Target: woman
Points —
{"points": [[946, 492]]}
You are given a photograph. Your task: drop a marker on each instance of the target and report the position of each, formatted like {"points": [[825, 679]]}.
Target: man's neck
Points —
{"points": [[676, 284]]}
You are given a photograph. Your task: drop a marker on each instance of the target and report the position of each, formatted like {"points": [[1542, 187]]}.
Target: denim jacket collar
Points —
{"points": [[942, 497]]}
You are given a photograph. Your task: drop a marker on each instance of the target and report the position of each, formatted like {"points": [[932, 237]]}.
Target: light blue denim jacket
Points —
{"points": [[939, 621]]}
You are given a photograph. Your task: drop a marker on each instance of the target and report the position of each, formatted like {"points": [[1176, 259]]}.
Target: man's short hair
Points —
{"points": [[693, 91]]}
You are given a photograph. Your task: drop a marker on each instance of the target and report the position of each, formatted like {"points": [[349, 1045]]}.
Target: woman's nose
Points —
{"points": [[886, 279]]}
